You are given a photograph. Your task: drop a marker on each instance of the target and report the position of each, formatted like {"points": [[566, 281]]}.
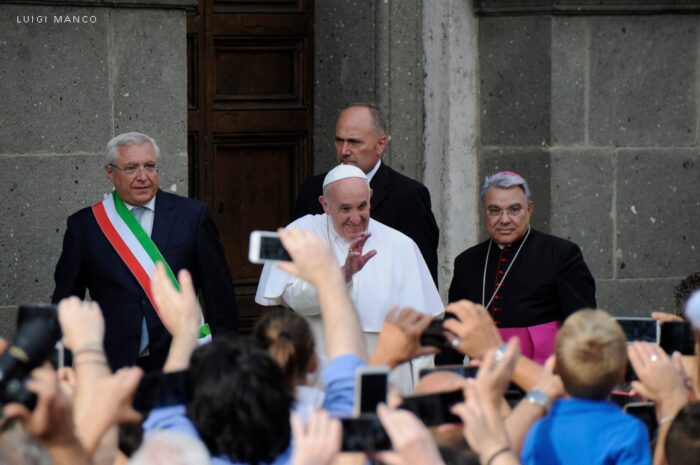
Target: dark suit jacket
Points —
{"points": [[187, 238], [548, 281], [397, 201]]}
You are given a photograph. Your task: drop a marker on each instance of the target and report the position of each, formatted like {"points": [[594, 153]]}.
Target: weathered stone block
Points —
{"points": [[569, 74], [636, 297], [643, 80], [344, 68], [658, 208], [8, 322], [533, 164], [53, 80], [582, 203], [514, 63], [403, 62], [149, 86]]}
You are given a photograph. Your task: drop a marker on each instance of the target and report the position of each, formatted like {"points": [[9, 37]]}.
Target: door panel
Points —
{"points": [[250, 121]]}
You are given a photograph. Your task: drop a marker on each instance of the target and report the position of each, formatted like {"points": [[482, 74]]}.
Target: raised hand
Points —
{"points": [[399, 339], [355, 260]]}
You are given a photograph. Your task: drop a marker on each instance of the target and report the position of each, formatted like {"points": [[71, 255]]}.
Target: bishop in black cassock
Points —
{"points": [[529, 281]]}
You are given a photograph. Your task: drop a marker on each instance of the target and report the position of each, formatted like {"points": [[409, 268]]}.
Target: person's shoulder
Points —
{"points": [[402, 181], [388, 233], [554, 242], [170, 200], [475, 251]]}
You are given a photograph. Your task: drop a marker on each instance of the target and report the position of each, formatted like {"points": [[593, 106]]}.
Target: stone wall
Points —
{"points": [[370, 51], [67, 88], [600, 114]]}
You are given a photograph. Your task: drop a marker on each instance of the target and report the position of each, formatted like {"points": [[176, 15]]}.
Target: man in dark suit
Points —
{"points": [[181, 230], [529, 281], [397, 200]]}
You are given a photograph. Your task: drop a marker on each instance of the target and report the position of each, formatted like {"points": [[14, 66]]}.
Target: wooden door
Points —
{"points": [[250, 121]]}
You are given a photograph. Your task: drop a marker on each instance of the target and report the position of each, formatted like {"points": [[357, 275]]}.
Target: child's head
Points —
{"points": [[591, 354]]}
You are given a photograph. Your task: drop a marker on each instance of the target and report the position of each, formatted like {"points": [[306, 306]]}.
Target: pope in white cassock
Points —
{"points": [[392, 272]]}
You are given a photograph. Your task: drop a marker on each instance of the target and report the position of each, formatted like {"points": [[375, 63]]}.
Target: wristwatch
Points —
{"points": [[540, 398]]}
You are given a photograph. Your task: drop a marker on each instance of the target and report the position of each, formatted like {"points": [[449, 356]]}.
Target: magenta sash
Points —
{"points": [[536, 342]]}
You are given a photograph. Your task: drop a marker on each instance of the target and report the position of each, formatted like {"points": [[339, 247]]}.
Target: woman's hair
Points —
{"points": [[591, 354], [287, 337]]}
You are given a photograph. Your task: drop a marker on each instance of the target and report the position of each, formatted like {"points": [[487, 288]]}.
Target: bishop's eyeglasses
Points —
{"points": [[130, 170], [512, 211]]}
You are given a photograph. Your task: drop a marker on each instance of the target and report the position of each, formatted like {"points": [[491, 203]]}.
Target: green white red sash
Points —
{"points": [[133, 245]]}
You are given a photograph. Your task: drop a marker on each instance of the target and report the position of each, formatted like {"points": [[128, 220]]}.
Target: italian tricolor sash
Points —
{"points": [[133, 245]]}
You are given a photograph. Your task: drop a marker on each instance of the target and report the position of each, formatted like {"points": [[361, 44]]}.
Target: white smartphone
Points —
{"points": [[640, 329], [266, 246], [371, 383]]}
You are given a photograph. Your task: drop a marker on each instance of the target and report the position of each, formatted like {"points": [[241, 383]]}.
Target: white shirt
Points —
{"points": [[147, 216]]}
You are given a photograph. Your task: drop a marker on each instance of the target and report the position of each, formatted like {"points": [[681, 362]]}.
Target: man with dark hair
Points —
{"points": [[683, 438], [397, 200], [239, 388], [111, 248], [529, 281]]}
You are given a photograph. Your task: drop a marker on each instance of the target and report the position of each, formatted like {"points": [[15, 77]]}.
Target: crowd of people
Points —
{"points": [[249, 402], [528, 369]]}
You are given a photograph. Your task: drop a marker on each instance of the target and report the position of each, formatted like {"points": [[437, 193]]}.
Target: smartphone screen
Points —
{"points": [[372, 390], [677, 336], [640, 329], [364, 434], [434, 409], [271, 248]]}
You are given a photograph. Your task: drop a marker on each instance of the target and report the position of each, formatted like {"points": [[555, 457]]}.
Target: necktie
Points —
{"points": [[143, 345]]}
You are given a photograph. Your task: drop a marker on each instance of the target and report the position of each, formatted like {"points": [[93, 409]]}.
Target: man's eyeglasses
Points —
{"points": [[495, 212], [129, 170]]}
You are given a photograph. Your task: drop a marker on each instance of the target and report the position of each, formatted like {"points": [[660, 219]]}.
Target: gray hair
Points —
{"points": [[378, 121], [128, 138], [504, 180], [171, 448]]}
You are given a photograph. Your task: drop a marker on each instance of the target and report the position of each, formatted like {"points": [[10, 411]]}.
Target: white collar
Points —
{"points": [[150, 205], [374, 170]]}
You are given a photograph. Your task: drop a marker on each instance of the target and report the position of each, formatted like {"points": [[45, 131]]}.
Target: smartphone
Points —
{"points": [[677, 336], [645, 411], [266, 246], [640, 329], [49, 314], [464, 371], [364, 434], [158, 389], [434, 409], [433, 335], [371, 384]]}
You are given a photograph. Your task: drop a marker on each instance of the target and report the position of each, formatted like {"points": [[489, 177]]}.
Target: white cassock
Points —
{"points": [[397, 275]]}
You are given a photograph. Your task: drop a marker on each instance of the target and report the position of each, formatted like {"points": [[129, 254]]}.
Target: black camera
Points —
{"points": [[38, 331]]}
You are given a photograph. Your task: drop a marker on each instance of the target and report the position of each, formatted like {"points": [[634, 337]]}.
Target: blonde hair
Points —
{"points": [[591, 354]]}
